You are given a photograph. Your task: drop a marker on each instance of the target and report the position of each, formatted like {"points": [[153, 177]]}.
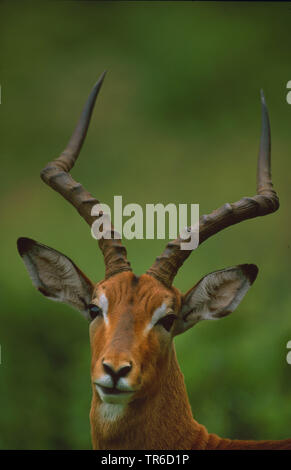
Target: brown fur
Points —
{"points": [[159, 416]]}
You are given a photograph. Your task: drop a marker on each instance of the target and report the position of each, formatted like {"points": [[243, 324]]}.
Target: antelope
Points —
{"points": [[139, 399]]}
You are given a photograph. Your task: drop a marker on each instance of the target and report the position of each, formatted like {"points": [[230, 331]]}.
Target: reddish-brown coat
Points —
{"points": [[160, 415]]}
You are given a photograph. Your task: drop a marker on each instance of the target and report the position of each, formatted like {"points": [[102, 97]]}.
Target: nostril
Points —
{"points": [[108, 368], [124, 370]]}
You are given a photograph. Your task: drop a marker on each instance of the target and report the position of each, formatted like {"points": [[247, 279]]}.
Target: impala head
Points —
{"points": [[133, 320]]}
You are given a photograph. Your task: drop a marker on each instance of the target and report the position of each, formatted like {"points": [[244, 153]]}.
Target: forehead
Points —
{"points": [[144, 293]]}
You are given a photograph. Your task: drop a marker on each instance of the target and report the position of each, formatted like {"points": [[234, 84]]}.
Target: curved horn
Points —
{"points": [[264, 202], [56, 175]]}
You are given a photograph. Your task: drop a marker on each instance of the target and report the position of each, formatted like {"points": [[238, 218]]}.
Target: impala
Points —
{"points": [[139, 399]]}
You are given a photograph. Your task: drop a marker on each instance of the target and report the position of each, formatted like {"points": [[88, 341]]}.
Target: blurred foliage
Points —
{"points": [[178, 120]]}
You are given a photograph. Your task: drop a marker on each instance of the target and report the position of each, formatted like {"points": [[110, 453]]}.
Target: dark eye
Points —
{"points": [[94, 311], [167, 321]]}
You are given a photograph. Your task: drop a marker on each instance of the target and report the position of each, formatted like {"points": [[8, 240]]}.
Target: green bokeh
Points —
{"points": [[178, 120]]}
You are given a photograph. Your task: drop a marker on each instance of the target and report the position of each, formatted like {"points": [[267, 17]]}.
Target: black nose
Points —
{"points": [[122, 371]]}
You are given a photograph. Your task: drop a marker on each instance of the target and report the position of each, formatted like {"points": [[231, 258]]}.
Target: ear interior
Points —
{"points": [[55, 275], [217, 295]]}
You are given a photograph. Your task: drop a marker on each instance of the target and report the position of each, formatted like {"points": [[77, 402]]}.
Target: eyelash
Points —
{"points": [[167, 321], [94, 311]]}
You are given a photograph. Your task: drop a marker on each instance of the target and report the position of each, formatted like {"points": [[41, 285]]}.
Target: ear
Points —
{"points": [[216, 295], [55, 275]]}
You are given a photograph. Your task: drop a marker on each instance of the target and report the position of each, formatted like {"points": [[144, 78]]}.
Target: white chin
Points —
{"points": [[115, 399]]}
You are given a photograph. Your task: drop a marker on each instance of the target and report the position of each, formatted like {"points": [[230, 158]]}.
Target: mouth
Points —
{"points": [[113, 390], [113, 395]]}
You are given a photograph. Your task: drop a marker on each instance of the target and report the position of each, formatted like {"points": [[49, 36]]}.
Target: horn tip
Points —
{"points": [[100, 79], [98, 84], [263, 99]]}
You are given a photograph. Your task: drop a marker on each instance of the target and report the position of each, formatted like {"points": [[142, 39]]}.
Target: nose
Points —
{"points": [[116, 374]]}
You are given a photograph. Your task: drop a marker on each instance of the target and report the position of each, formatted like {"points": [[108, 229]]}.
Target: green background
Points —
{"points": [[178, 120]]}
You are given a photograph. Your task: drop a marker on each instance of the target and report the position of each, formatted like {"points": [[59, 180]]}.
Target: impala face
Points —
{"points": [[131, 335]]}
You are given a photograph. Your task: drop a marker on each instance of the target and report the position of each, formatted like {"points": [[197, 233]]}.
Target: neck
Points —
{"points": [[163, 420]]}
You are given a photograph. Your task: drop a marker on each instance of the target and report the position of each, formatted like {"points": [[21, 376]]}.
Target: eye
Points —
{"points": [[167, 321], [94, 311]]}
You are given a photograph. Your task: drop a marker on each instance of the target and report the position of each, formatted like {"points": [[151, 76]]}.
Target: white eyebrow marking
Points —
{"points": [[103, 302], [158, 313]]}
